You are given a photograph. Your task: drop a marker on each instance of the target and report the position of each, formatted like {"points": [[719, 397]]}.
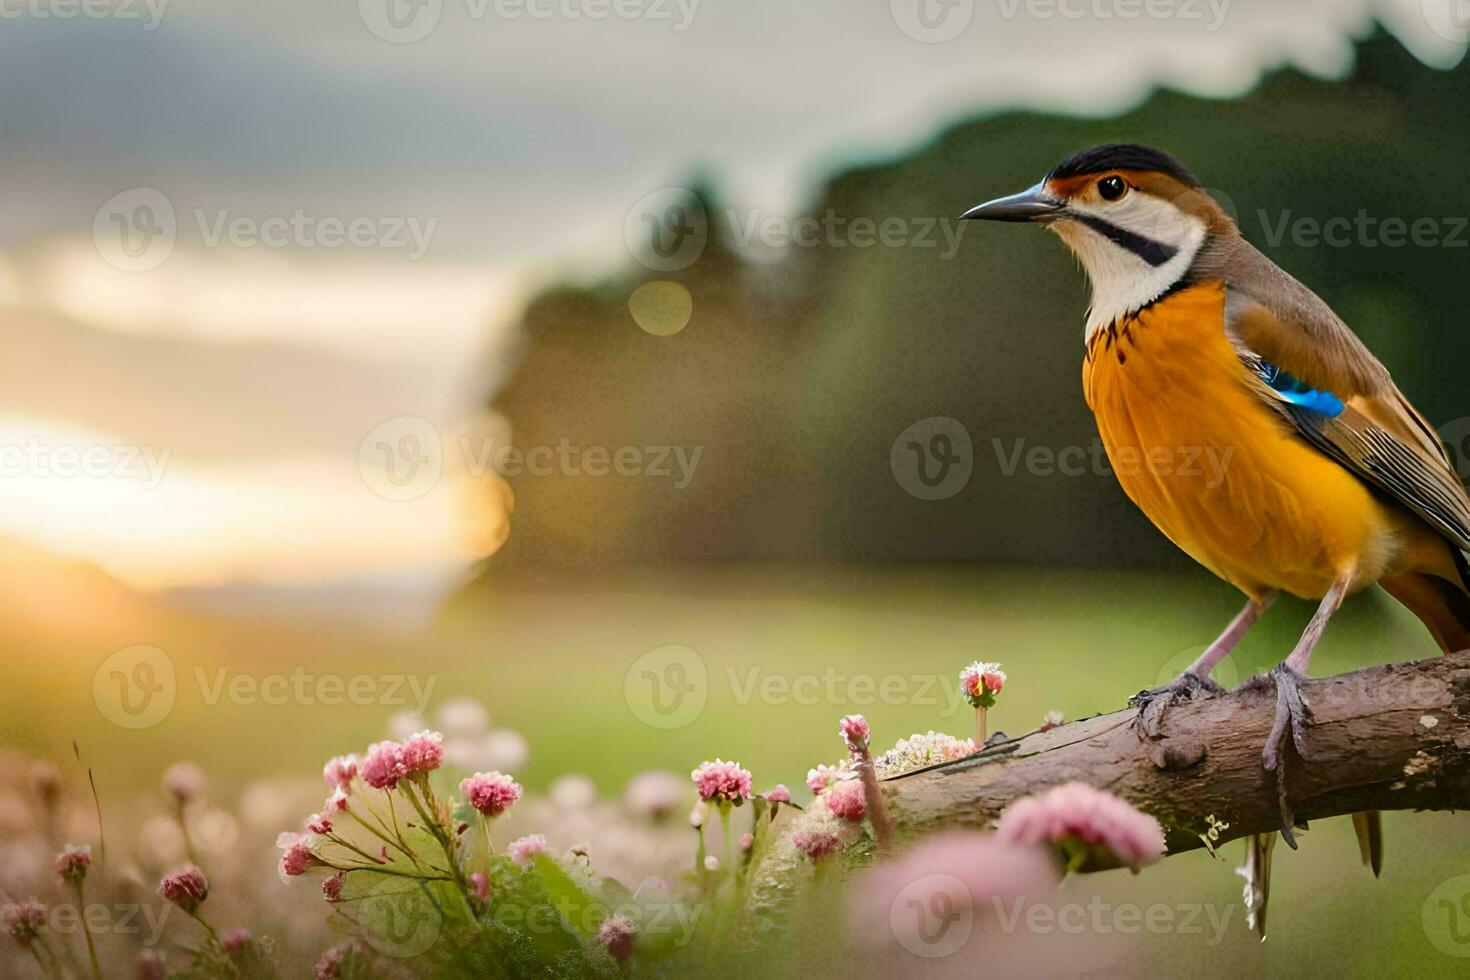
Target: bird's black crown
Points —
{"points": [[1122, 156]]}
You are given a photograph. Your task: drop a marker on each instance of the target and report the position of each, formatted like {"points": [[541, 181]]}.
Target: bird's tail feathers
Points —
{"points": [[1368, 825], [1442, 604]]}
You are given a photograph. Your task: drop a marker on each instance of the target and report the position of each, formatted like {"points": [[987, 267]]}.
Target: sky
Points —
{"points": [[251, 254]]}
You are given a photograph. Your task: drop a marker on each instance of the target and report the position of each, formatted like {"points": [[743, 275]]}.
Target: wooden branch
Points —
{"points": [[1395, 737]]}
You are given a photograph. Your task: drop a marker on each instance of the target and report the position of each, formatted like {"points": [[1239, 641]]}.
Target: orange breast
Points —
{"points": [[1214, 467]]}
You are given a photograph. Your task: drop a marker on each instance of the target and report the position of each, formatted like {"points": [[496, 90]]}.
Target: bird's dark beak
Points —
{"points": [[1033, 204]]}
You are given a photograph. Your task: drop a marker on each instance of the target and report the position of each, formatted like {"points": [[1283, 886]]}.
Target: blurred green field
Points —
{"points": [[784, 651]]}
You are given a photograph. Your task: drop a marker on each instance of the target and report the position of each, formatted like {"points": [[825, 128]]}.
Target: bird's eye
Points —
{"points": [[1111, 188]]}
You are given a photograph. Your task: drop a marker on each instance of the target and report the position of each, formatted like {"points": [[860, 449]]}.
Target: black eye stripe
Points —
{"points": [[1152, 252]]}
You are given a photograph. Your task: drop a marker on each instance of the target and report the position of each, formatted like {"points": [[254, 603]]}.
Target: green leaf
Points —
{"points": [[579, 910]]}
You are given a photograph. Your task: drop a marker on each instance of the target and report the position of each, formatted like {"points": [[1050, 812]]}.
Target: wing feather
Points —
{"points": [[1318, 374]]}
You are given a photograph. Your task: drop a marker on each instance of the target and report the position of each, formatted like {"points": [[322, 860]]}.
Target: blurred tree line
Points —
{"points": [[795, 376]]}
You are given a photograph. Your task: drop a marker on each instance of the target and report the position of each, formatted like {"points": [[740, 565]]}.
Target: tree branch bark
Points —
{"points": [[1395, 737]]}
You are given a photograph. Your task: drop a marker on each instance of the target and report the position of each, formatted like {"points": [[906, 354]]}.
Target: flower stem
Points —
{"points": [[213, 936], [979, 727], [383, 836], [447, 846], [184, 829], [725, 833], [87, 933]]}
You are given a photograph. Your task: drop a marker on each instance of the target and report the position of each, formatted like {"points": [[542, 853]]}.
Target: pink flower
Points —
{"points": [[336, 803], [24, 920], [747, 841], [186, 887], [845, 800], [332, 887], [482, 886], [616, 936], [1052, 719], [340, 771], [966, 873], [922, 749], [296, 857], [721, 782], [149, 964], [981, 682], [656, 793], [1087, 823], [335, 960], [821, 777], [779, 794], [319, 823], [423, 752], [236, 941], [492, 793], [384, 765], [183, 781], [523, 849], [73, 861], [855, 732], [817, 843]]}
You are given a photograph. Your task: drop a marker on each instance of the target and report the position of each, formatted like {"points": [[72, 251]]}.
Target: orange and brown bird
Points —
{"points": [[1196, 342]]}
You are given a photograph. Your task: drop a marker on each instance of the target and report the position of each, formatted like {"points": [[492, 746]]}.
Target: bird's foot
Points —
{"points": [[1293, 714], [1154, 703]]}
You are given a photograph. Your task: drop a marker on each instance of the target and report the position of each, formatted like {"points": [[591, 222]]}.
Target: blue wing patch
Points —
{"points": [[1298, 393]]}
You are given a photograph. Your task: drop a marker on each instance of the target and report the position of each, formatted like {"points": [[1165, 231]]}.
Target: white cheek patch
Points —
{"points": [[1123, 281]]}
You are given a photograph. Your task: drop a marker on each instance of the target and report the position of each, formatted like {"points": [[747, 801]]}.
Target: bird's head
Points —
{"points": [[1135, 217]]}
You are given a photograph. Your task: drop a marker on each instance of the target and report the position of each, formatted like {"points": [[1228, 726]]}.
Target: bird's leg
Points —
{"points": [[1195, 681], [1292, 710]]}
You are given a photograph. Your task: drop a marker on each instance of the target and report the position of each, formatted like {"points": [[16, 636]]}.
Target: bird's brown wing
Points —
{"points": [[1280, 325]]}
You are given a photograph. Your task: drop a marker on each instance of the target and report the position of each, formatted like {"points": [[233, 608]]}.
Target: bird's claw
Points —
{"points": [[1154, 703], [1293, 713]]}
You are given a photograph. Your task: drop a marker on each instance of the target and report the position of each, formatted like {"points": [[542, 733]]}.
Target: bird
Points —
{"points": [[1195, 342]]}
